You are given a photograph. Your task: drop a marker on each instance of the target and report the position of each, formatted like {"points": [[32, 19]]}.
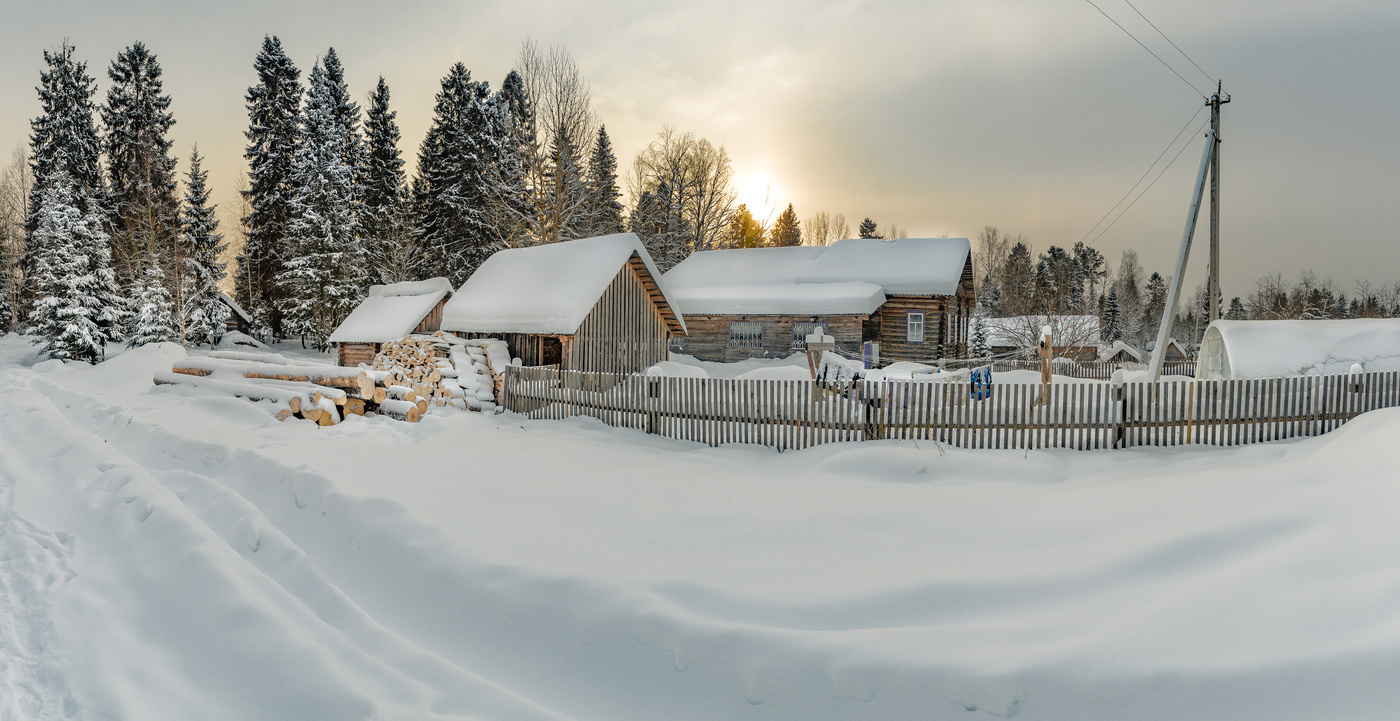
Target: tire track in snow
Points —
{"points": [[33, 567]]}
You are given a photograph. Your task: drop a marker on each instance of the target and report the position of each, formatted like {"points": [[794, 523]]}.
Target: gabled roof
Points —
{"points": [[850, 276], [235, 307], [549, 289], [391, 312], [1119, 346]]}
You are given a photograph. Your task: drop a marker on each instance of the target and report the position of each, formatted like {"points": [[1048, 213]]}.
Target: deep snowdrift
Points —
{"points": [[169, 556]]}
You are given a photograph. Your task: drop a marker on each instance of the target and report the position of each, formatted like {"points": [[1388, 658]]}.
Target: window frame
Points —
{"points": [[758, 339], [909, 316]]}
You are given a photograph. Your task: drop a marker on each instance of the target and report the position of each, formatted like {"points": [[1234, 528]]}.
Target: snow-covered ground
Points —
{"points": [[169, 556]]}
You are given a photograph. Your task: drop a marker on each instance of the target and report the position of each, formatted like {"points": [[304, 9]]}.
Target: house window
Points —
{"points": [[745, 334], [914, 326], [800, 331]]}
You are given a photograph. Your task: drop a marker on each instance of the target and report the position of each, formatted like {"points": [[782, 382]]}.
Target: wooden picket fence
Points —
{"points": [[1095, 370], [787, 414]]}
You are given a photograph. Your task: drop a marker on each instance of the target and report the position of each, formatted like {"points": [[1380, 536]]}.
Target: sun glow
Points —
{"points": [[757, 191]]}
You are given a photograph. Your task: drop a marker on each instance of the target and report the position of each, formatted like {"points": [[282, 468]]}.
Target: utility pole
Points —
{"points": [[1213, 285]]}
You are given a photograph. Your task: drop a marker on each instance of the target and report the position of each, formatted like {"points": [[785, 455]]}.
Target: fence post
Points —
{"points": [[1120, 402]]}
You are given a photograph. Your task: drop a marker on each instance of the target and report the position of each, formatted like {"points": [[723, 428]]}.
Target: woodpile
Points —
{"points": [[441, 370], [409, 376]]}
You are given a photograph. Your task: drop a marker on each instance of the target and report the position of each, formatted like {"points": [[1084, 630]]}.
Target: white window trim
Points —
{"points": [[909, 326]]}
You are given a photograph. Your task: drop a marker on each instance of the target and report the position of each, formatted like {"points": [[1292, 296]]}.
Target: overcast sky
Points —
{"points": [[1034, 116]]}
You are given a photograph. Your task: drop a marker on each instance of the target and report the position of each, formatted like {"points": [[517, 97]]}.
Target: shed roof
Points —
{"points": [[851, 276], [1280, 348], [391, 312], [235, 307], [548, 289]]}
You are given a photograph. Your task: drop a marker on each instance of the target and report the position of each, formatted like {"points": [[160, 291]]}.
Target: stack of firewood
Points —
{"points": [[439, 370]]}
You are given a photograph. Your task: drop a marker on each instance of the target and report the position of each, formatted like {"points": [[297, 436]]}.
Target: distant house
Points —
{"points": [[1072, 336], [596, 304], [912, 295], [1120, 352], [238, 320], [1175, 351], [1234, 349], [389, 313]]}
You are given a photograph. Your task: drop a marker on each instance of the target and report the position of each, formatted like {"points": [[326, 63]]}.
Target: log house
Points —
{"points": [[389, 313]]}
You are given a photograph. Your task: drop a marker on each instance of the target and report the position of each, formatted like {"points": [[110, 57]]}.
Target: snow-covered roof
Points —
{"points": [[850, 276], [1119, 346], [391, 312], [1280, 348], [547, 288], [235, 307], [1024, 330]]}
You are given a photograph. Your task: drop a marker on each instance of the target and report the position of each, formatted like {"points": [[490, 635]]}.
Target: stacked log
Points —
{"points": [[440, 370], [316, 392]]}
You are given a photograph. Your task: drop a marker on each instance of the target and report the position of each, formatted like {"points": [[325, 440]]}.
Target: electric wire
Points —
{"points": [[1149, 50], [1164, 37], [1144, 174], [1149, 185]]}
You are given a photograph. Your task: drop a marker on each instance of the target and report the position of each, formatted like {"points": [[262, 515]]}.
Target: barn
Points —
{"points": [[595, 304], [1234, 349], [238, 320], [389, 313], [912, 295]]}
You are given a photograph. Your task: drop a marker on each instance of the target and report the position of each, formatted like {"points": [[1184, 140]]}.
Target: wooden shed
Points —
{"points": [[239, 320], [596, 304], [912, 295], [389, 313]]}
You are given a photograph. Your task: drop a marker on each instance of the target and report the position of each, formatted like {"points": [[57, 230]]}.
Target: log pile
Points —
{"points": [[409, 376], [440, 370]]}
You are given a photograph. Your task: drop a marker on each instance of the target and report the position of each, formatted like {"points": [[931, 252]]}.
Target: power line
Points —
{"points": [[1144, 47], [1164, 37], [1144, 173], [1149, 185]]}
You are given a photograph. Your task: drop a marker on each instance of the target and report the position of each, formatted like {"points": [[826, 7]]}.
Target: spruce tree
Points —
{"points": [[78, 307], [321, 277], [604, 208], [203, 314], [154, 321], [140, 171], [868, 229], [384, 222], [63, 139], [1112, 316], [513, 218], [977, 346], [786, 229], [567, 217], [450, 195], [273, 127]]}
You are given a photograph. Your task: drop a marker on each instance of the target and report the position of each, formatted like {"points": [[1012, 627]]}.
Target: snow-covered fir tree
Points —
{"points": [[1237, 311], [204, 314], [347, 117], [384, 222], [273, 127], [786, 229], [604, 205], [977, 344], [154, 321], [868, 229], [567, 215], [1112, 316], [140, 171], [513, 216], [63, 139], [453, 230], [78, 307], [321, 276]]}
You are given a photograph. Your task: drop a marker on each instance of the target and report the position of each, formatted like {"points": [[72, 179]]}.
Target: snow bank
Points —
{"points": [[849, 277], [168, 557], [547, 288], [391, 312], [1277, 348]]}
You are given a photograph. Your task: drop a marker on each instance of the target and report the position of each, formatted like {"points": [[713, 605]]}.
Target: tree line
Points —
{"points": [[101, 242], [1128, 302]]}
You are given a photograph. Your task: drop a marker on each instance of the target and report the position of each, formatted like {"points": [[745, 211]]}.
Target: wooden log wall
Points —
{"points": [[353, 354], [625, 332], [708, 335], [1081, 416]]}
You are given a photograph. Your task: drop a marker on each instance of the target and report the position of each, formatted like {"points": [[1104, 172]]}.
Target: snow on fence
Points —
{"points": [[1094, 370], [1084, 416]]}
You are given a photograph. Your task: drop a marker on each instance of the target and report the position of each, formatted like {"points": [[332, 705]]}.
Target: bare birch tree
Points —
{"points": [[16, 182], [825, 228], [682, 194]]}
